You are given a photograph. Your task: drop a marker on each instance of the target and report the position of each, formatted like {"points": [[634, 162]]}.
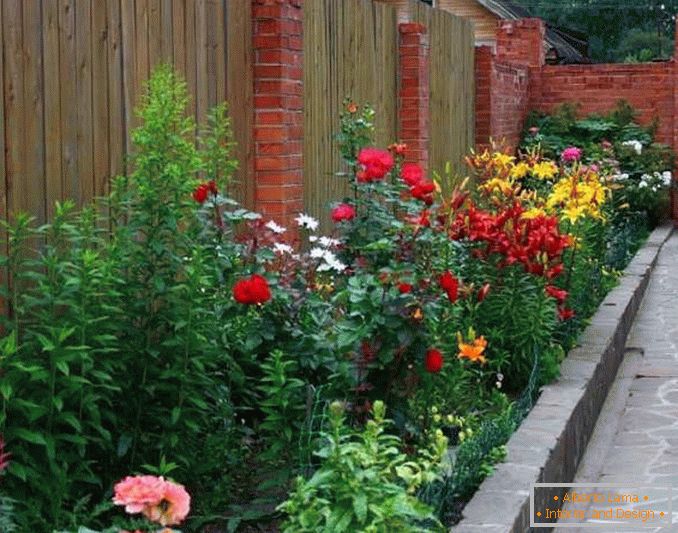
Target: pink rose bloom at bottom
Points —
{"points": [[161, 501], [571, 154]]}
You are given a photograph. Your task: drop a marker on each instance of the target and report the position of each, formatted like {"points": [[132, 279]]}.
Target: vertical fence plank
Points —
{"points": [[239, 93], [116, 111], [191, 53], [3, 184], [53, 170], [83, 34], [129, 54], [179, 35], [154, 33], [202, 76], [166, 31], [32, 186], [14, 100], [100, 100]]}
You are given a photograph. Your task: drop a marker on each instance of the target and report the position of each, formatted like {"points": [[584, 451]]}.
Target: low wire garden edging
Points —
{"points": [[551, 441]]}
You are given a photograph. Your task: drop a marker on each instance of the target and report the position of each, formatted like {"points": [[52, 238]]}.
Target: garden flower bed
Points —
{"points": [[365, 380]]}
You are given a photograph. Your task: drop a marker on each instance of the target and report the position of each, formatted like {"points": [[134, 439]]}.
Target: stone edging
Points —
{"points": [[549, 444]]}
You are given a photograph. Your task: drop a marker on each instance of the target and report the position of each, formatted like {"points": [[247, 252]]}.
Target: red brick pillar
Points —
{"points": [[277, 40], [521, 42], [413, 92], [483, 73]]}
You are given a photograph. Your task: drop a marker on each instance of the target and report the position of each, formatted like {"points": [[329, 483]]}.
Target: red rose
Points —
{"points": [[251, 291], [343, 212], [555, 292], [200, 193], [450, 285], [412, 174], [565, 314], [405, 288], [482, 293], [423, 191], [433, 361], [375, 164]]}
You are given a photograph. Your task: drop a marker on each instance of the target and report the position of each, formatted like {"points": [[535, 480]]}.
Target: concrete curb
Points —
{"points": [[551, 441]]}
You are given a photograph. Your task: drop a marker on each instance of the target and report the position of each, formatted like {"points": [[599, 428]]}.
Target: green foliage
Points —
{"points": [[364, 482], [282, 406], [111, 358], [613, 29], [7, 524]]}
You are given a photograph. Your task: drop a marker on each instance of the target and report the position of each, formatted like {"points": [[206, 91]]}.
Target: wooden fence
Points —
{"points": [[72, 72], [351, 50]]}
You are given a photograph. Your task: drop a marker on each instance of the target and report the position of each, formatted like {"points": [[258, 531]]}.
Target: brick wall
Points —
{"points": [[648, 87], [483, 75], [510, 102]]}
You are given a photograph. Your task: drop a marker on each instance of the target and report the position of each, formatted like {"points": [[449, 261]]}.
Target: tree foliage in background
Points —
{"points": [[617, 30]]}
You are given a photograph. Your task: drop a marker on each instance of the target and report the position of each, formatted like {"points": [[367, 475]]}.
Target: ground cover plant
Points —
{"points": [[173, 354]]}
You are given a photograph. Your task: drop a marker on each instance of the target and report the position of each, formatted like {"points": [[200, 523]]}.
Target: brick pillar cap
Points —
{"points": [[411, 27]]}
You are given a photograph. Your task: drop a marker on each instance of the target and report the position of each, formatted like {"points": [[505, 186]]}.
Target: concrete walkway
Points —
{"points": [[636, 438]]}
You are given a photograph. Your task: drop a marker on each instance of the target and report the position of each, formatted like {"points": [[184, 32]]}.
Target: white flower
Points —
{"points": [[282, 248], [312, 238], [645, 178], [642, 184], [317, 253], [620, 177], [275, 228], [328, 242], [636, 145], [666, 177], [307, 222]]}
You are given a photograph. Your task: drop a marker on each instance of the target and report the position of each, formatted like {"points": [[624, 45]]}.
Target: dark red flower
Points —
{"points": [[412, 174], [482, 293], [565, 314], [554, 292], [375, 163], [200, 193], [423, 191], [251, 291], [212, 186], [433, 361], [343, 212], [450, 285], [405, 288]]}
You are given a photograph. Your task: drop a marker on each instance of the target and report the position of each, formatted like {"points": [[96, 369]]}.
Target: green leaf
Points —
{"points": [[29, 436]]}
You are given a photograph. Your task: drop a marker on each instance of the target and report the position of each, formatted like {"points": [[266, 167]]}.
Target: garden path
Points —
{"points": [[636, 437]]}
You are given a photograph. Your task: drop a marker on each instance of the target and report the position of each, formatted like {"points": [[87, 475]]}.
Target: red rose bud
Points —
{"points": [[405, 288], [482, 293], [252, 291], [398, 148], [450, 285], [433, 361], [554, 292], [343, 213], [412, 174], [200, 193]]}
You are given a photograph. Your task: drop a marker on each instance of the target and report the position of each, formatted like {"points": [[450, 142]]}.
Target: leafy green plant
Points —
{"points": [[364, 483]]}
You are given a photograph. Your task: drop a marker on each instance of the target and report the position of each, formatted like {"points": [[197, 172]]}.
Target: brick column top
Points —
{"points": [[277, 40], [521, 42]]}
